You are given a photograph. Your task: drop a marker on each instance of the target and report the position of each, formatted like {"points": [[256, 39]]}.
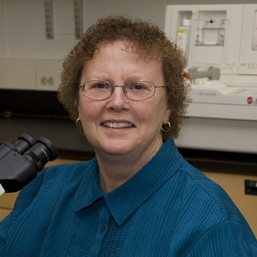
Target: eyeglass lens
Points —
{"points": [[99, 90]]}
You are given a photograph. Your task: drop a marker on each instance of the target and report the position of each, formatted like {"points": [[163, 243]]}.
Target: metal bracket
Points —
{"points": [[78, 18], [49, 19]]}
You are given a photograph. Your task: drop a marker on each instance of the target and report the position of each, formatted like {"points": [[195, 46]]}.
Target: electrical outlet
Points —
{"points": [[48, 74]]}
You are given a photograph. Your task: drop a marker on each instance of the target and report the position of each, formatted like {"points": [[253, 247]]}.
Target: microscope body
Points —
{"points": [[21, 162]]}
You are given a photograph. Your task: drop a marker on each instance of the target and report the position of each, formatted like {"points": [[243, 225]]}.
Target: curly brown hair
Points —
{"points": [[149, 41]]}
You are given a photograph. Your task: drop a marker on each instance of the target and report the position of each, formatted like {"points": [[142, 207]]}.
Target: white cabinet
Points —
{"points": [[27, 29], [25, 17], [17, 73], [23, 39], [48, 74], [28, 59]]}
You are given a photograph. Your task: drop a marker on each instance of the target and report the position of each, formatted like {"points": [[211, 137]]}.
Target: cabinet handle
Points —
{"points": [[250, 187]]}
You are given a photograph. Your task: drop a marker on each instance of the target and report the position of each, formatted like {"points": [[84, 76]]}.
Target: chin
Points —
{"points": [[115, 148]]}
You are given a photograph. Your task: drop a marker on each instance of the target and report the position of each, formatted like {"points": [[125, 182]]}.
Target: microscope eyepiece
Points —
{"points": [[24, 143]]}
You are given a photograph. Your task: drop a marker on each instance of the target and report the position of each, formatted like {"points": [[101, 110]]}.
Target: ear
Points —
{"points": [[167, 115]]}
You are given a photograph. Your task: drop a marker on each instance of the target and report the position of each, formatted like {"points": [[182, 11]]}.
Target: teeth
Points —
{"points": [[117, 125]]}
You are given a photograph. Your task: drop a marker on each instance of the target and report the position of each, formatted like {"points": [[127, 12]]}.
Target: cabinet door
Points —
{"points": [[233, 184]]}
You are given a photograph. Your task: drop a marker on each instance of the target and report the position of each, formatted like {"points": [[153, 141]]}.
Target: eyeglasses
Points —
{"points": [[137, 90]]}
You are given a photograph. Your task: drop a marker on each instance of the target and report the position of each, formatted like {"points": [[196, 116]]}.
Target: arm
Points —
{"points": [[24, 199], [226, 239]]}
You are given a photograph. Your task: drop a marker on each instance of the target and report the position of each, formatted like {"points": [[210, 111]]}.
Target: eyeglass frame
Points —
{"points": [[123, 86]]}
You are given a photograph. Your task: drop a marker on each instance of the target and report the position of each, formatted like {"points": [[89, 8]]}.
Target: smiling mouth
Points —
{"points": [[117, 125]]}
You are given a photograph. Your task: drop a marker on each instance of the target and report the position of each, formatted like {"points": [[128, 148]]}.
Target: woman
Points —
{"points": [[123, 84]]}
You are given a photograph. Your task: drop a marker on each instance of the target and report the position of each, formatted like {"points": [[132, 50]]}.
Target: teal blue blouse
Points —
{"points": [[168, 208]]}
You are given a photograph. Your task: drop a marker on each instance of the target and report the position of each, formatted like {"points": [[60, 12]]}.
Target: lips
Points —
{"points": [[117, 125]]}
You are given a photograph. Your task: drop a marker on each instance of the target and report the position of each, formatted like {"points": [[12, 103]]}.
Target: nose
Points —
{"points": [[118, 99]]}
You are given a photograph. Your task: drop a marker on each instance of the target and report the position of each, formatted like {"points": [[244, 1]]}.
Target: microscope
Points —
{"points": [[22, 161]]}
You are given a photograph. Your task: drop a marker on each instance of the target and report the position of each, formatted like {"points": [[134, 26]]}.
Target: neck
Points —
{"points": [[113, 175], [116, 170]]}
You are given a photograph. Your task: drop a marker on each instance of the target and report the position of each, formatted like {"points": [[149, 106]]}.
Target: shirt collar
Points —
{"points": [[127, 198], [89, 189]]}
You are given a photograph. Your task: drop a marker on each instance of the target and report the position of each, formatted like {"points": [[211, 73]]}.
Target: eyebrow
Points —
{"points": [[127, 80]]}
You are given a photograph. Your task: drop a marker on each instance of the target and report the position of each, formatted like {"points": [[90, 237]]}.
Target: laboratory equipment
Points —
{"points": [[20, 162], [223, 112]]}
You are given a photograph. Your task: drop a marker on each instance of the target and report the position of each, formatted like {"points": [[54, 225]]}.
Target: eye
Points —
{"points": [[100, 85], [137, 86]]}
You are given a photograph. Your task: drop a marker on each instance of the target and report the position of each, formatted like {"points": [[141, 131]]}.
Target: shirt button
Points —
{"points": [[102, 228]]}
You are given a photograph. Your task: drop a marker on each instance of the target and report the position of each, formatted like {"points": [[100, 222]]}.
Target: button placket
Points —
{"points": [[102, 228], [104, 215]]}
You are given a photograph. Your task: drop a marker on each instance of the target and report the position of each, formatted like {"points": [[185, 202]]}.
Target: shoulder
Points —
{"points": [[205, 213], [63, 173], [211, 201], [226, 238], [207, 191], [37, 201], [51, 183], [51, 176]]}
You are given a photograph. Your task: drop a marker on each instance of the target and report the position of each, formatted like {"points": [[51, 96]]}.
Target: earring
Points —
{"points": [[77, 120], [166, 130]]}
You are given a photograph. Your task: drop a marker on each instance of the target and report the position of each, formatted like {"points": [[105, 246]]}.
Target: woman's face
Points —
{"points": [[118, 125]]}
